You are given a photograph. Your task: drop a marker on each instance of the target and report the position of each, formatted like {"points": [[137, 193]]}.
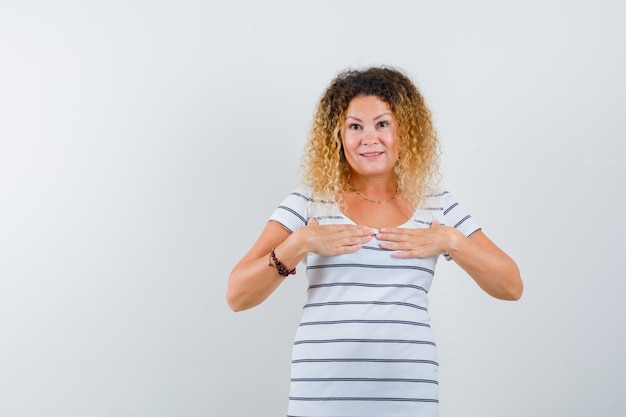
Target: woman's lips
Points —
{"points": [[371, 155]]}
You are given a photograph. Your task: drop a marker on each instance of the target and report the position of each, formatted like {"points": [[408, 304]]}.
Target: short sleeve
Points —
{"points": [[292, 212], [455, 215]]}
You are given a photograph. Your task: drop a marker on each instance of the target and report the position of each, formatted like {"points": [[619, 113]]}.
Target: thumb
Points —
{"points": [[312, 222], [435, 223]]}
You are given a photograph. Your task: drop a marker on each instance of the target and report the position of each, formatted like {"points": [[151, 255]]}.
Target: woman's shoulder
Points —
{"points": [[434, 197], [452, 213], [438, 200], [306, 193], [303, 192], [298, 197]]}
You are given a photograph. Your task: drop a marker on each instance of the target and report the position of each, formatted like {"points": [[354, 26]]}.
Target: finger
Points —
{"points": [[435, 223], [398, 231], [367, 231], [396, 246], [389, 230], [348, 230], [357, 240], [347, 249], [396, 235], [312, 221]]}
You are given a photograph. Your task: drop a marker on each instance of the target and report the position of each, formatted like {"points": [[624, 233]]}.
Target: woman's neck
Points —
{"points": [[380, 188]]}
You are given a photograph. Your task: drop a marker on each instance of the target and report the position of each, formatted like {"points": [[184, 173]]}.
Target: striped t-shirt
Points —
{"points": [[364, 346]]}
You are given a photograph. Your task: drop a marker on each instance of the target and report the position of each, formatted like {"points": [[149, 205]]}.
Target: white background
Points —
{"points": [[143, 144]]}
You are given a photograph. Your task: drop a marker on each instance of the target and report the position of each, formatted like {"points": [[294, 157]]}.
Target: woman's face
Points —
{"points": [[369, 135]]}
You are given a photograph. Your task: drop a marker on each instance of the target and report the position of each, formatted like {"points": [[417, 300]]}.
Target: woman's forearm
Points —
{"points": [[492, 269], [255, 277]]}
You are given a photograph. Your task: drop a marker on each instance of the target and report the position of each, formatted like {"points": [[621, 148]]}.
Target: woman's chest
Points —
{"points": [[377, 215]]}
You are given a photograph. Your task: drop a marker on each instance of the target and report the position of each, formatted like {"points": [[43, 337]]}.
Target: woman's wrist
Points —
{"points": [[298, 243], [291, 251], [280, 267], [452, 241]]}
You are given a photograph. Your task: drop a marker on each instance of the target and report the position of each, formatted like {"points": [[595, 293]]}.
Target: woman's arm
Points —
{"points": [[492, 269], [251, 280], [254, 278]]}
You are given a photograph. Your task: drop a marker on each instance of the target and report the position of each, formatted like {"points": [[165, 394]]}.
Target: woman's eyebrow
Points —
{"points": [[375, 118]]}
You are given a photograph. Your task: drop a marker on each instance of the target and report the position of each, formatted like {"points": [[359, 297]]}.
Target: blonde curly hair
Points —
{"points": [[324, 165]]}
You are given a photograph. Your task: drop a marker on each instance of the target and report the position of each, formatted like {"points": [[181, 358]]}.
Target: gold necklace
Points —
{"points": [[377, 201]]}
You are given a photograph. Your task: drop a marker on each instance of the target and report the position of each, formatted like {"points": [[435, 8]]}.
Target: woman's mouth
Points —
{"points": [[371, 155]]}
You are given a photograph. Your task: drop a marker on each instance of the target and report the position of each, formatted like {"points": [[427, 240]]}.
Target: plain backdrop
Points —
{"points": [[143, 145]]}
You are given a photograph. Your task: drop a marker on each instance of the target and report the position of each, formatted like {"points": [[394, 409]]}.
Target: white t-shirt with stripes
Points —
{"points": [[364, 346]]}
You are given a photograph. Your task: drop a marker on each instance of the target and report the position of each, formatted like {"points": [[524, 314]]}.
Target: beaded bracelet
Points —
{"points": [[282, 270]]}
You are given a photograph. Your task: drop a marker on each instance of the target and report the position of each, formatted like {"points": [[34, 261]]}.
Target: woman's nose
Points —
{"points": [[370, 136]]}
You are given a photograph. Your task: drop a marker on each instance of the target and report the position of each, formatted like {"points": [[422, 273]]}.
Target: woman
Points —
{"points": [[369, 228]]}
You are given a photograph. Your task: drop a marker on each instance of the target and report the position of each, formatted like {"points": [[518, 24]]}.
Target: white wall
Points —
{"points": [[144, 143]]}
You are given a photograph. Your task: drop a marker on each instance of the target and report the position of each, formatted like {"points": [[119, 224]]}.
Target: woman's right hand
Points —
{"points": [[333, 239], [251, 281]]}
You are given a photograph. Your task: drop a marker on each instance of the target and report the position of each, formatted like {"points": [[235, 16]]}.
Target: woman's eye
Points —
{"points": [[355, 126], [383, 124]]}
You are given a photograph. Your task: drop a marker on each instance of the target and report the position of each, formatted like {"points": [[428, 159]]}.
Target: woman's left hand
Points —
{"points": [[417, 243], [492, 269]]}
